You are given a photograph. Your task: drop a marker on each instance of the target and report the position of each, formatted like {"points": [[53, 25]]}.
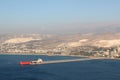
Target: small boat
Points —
{"points": [[39, 61]]}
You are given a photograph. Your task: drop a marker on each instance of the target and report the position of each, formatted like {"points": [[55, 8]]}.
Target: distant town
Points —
{"points": [[93, 45]]}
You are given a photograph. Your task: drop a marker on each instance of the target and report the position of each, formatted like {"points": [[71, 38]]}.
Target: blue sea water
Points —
{"points": [[82, 70]]}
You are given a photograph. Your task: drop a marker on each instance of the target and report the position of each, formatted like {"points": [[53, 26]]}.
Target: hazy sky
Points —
{"points": [[57, 16]]}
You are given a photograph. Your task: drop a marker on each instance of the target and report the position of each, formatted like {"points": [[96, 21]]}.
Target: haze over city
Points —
{"points": [[59, 16]]}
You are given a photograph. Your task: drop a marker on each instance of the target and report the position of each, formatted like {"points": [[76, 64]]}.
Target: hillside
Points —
{"points": [[42, 43], [73, 40]]}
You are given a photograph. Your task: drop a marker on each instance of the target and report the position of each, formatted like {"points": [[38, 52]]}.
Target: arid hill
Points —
{"points": [[45, 42]]}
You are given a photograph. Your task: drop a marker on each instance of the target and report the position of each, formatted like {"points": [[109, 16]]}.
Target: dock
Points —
{"points": [[63, 61]]}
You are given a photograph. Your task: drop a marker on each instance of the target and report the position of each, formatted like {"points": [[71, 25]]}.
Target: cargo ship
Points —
{"points": [[39, 61]]}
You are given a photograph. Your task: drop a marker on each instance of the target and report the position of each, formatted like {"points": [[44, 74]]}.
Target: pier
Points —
{"points": [[63, 61]]}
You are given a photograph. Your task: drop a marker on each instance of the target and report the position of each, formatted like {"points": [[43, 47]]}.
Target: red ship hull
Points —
{"points": [[25, 63]]}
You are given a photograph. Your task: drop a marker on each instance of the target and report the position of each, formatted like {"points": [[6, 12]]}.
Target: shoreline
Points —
{"points": [[90, 57], [20, 54]]}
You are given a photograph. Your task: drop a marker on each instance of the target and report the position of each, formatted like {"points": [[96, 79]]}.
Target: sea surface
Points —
{"points": [[10, 69]]}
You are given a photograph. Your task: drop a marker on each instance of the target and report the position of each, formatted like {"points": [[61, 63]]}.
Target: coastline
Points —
{"points": [[78, 56], [20, 54]]}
